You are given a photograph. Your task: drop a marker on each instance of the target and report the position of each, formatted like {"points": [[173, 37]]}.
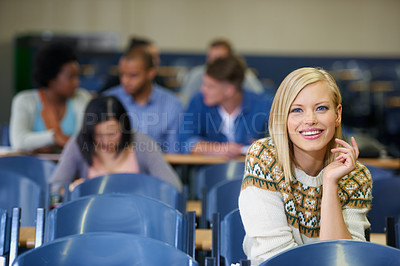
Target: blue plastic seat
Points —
{"points": [[37, 169], [379, 173], [337, 253], [232, 235], [385, 202], [211, 175], [227, 239], [223, 198], [4, 229], [142, 184], [104, 249], [19, 191], [122, 213]]}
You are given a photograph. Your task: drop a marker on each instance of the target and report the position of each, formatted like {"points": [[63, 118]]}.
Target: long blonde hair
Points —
{"points": [[284, 97]]}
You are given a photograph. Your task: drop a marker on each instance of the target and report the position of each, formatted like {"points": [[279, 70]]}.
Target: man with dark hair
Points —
{"points": [[153, 110], [219, 47], [134, 44], [224, 119]]}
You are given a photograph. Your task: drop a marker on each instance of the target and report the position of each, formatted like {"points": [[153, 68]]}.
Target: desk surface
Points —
{"points": [[197, 159], [390, 163]]}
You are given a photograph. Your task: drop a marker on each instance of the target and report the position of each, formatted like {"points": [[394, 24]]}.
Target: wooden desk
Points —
{"points": [[194, 206], [27, 237], [197, 159], [378, 238], [390, 163], [203, 239]]}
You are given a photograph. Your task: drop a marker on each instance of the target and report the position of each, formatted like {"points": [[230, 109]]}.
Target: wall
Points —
{"points": [[271, 27]]}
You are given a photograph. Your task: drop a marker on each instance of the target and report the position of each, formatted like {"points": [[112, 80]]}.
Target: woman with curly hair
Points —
{"points": [[43, 119]]}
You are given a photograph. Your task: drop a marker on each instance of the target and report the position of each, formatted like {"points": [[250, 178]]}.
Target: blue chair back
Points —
{"points": [[211, 175], [337, 252], [37, 169], [232, 235], [133, 214], [223, 198], [142, 184], [379, 173], [396, 231], [385, 202], [103, 249], [5, 135], [19, 191], [4, 232]]}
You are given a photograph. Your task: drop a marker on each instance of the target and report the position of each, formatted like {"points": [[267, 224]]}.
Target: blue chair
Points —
{"points": [[9, 235], [227, 239], [209, 176], [5, 135], [232, 235], [122, 213], [379, 173], [142, 184], [19, 191], [4, 238], [337, 253], [37, 169], [222, 198], [103, 249], [385, 202], [34, 168]]}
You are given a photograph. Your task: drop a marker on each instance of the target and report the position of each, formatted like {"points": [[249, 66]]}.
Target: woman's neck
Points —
{"points": [[53, 98], [310, 162], [109, 159]]}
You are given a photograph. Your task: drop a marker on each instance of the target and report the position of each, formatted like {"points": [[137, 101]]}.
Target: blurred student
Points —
{"points": [[153, 110], [106, 144], [304, 183], [193, 80], [224, 119], [43, 119], [138, 43]]}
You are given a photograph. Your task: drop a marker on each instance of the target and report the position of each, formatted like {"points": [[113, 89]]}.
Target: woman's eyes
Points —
{"points": [[322, 108], [319, 108], [296, 110]]}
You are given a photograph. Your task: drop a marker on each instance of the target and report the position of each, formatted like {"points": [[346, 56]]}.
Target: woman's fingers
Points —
{"points": [[355, 146], [347, 152]]}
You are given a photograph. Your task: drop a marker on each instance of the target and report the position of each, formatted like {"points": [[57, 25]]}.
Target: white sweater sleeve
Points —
{"points": [[265, 223], [22, 116]]}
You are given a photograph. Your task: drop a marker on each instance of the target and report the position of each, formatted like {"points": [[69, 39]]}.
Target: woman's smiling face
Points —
{"points": [[313, 118]]}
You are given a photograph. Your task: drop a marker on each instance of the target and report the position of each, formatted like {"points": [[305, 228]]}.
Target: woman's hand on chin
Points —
{"points": [[344, 163]]}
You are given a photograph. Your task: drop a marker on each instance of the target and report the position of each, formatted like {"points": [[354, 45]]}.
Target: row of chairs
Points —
{"points": [[117, 228], [103, 249], [25, 184], [231, 180]]}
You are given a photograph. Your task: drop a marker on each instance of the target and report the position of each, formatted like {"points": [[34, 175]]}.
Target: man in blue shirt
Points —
{"points": [[193, 80], [224, 119], [152, 110]]}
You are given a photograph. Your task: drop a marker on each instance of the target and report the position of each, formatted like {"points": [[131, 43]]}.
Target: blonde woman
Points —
{"points": [[304, 183]]}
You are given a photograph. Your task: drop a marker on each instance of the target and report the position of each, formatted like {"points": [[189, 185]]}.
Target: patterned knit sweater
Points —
{"points": [[278, 215]]}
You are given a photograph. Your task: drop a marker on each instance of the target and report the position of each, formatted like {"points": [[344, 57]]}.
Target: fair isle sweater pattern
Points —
{"points": [[302, 203]]}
